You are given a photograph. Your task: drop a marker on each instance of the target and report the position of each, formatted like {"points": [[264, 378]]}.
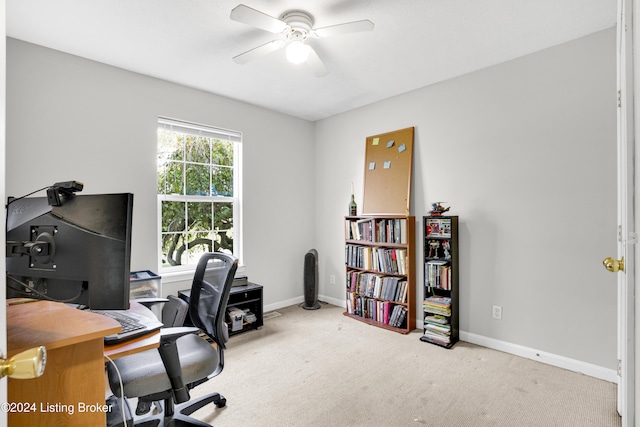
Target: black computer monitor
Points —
{"points": [[75, 251]]}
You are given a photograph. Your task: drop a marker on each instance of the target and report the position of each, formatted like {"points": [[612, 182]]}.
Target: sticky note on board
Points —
{"points": [[372, 166], [376, 141], [390, 143], [387, 164], [401, 148]]}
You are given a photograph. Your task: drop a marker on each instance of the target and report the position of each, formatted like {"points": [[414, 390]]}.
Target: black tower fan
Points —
{"points": [[311, 281]]}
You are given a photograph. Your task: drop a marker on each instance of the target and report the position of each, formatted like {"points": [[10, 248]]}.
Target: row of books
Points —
{"points": [[437, 274], [390, 230], [384, 260], [437, 305], [438, 227], [384, 312], [379, 286]]}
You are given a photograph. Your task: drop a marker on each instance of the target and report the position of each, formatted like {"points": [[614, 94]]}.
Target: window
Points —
{"points": [[198, 192]]}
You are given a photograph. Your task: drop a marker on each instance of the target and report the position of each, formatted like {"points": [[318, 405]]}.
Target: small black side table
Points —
{"points": [[247, 296]]}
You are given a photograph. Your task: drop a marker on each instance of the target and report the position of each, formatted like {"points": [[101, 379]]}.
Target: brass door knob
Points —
{"points": [[613, 265], [28, 364]]}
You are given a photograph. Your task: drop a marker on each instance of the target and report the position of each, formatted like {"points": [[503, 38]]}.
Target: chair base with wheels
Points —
{"points": [[179, 415]]}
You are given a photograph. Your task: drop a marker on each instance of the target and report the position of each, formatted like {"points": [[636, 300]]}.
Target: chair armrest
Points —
{"points": [[172, 334], [150, 301], [225, 333], [169, 354]]}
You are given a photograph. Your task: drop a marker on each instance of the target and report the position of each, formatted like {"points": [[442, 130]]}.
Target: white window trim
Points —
{"points": [[185, 272]]}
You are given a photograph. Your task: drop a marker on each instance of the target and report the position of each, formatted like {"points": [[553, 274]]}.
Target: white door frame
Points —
{"points": [[626, 219], [3, 318]]}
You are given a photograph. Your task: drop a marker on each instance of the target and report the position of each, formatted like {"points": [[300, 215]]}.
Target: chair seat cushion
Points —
{"points": [[144, 373]]}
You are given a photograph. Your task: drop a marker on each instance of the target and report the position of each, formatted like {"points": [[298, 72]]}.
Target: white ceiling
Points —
{"points": [[415, 43]]}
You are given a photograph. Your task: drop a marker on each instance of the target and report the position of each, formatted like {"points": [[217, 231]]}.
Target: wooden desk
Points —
{"points": [[71, 392], [146, 342]]}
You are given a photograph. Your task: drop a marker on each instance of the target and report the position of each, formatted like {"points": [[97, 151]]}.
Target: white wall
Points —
{"points": [[524, 152], [71, 118]]}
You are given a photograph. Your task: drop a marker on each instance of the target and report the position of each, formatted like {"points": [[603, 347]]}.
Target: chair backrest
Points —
{"points": [[212, 283]]}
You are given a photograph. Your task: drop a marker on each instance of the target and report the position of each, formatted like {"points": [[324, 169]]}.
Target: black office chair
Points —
{"points": [[184, 359]]}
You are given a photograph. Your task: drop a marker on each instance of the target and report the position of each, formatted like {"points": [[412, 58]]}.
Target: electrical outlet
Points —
{"points": [[497, 312], [332, 279]]}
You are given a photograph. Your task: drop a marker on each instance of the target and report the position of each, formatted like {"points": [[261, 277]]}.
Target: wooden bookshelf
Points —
{"points": [[380, 271], [441, 285]]}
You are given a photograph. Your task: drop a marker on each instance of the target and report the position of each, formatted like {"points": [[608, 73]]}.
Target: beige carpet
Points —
{"points": [[320, 368]]}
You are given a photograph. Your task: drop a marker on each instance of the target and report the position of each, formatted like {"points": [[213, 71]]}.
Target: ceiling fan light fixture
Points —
{"points": [[292, 29], [297, 52]]}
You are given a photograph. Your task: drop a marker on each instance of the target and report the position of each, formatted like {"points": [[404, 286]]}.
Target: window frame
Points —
{"points": [[197, 129]]}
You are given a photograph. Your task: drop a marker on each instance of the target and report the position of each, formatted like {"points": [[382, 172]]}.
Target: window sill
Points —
{"points": [[187, 275]]}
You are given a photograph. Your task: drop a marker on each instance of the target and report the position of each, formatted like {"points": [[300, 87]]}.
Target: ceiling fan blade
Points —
{"points": [[316, 64], [257, 52], [255, 18], [346, 28]]}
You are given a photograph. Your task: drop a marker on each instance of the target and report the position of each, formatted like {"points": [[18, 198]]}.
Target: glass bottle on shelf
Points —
{"points": [[353, 208]]}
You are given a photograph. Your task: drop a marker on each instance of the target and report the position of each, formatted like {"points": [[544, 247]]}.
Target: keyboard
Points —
{"points": [[133, 325]]}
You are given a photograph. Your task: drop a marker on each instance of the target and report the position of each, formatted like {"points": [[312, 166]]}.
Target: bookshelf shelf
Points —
{"points": [[441, 286], [380, 271]]}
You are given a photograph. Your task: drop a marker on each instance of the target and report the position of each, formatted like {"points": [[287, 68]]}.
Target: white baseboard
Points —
{"points": [[541, 356], [333, 301], [299, 300], [282, 304]]}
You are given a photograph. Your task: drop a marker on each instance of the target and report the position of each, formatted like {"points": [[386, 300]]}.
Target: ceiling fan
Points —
{"points": [[293, 29]]}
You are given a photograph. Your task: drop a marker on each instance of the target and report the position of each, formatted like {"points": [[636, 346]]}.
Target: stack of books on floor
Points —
{"points": [[437, 327]]}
